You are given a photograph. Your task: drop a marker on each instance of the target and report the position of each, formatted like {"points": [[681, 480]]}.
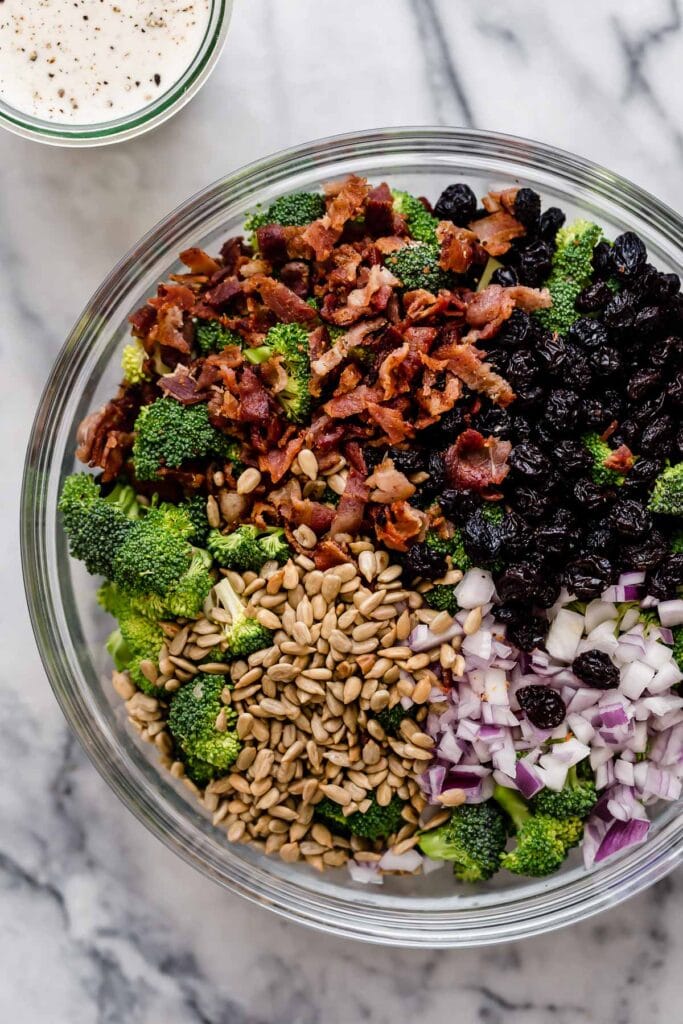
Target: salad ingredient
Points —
{"points": [[473, 839], [667, 494]]}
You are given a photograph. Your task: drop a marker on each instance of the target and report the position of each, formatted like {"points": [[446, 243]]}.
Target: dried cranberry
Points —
{"points": [[595, 669], [620, 311], [505, 276], [458, 505], [542, 705], [529, 462], [551, 352], [663, 352], [422, 560], [527, 208], [548, 590], [533, 263], [628, 255], [552, 220], [562, 410], [588, 576], [408, 460], [599, 540], [522, 368], [456, 203], [517, 330], [558, 534], [646, 554], [528, 634], [643, 383], [481, 539], [606, 361], [593, 298], [588, 495], [572, 458], [492, 420], [587, 333], [529, 396], [657, 436], [674, 389], [630, 519], [667, 286], [665, 581], [530, 503], [518, 582], [595, 416], [576, 373], [602, 260]]}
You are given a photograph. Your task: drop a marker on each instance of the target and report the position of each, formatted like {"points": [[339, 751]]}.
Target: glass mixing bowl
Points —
{"points": [[70, 628]]}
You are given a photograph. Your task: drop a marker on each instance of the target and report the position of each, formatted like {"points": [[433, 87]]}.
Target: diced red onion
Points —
{"points": [[613, 715], [366, 874], [621, 802], [475, 589], [408, 861], [620, 836], [623, 772], [449, 748], [422, 639], [527, 778], [670, 612]]}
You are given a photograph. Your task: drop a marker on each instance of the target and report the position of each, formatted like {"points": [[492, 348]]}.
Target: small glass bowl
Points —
{"points": [[70, 628], [104, 133]]}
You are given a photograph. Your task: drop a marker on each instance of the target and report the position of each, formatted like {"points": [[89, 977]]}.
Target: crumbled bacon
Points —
{"points": [[370, 297], [199, 261], [278, 461], [465, 361], [496, 231], [297, 276], [476, 463], [458, 247], [324, 363], [142, 321], [327, 554], [621, 460], [389, 484], [351, 507], [347, 201], [105, 436], [222, 295], [285, 303], [353, 403], [255, 403], [182, 386], [274, 241], [380, 218], [397, 524], [392, 421]]}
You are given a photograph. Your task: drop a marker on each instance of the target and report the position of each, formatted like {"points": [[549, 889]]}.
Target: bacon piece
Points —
{"points": [[199, 261], [503, 200], [387, 377], [182, 386], [496, 231], [351, 508], [459, 249], [317, 343], [142, 321], [487, 310], [389, 484], [232, 251], [255, 406], [621, 459], [466, 363], [278, 461], [380, 218], [347, 202], [297, 276], [323, 364], [353, 403], [530, 299], [372, 297], [105, 437], [274, 241], [286, 305], [327, 554], [346, 262], [222, 295], [477, 463], [397, 524], [392, 422], [437, 400]]}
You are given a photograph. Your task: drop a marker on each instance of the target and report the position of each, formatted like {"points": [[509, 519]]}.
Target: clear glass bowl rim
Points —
{"points": [[537, 909], [140, 121]]}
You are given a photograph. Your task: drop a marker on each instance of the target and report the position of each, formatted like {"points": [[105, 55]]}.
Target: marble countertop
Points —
{"points": [[99, 924]]}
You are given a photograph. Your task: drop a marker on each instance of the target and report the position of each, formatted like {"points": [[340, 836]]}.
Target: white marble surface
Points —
{"points": [[98, 923]]}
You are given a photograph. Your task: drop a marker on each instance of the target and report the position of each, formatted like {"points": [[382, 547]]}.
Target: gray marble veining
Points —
{"points": [[99, 924]]}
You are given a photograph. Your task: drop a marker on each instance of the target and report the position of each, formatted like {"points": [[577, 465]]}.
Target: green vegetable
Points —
{"points": [[375, 823], [192, 723], [667, 496], [96, 526], [572, 270], [542, 842], [678, 646], [442, 598], [492, 512], [238, 550], [138, 638], [290, 342], [677, 544], [133, 358], [274, 546], [244, 635], [211, 336], [417, 266], [600, 451], [186, 597], [420, 223], [169, 434], [452, 546], [473, 839], [576, 800], [150, 558], [390, 718], [293, 210]]}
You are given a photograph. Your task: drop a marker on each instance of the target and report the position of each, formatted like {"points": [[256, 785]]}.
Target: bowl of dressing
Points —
{"points": [[94, 72]]}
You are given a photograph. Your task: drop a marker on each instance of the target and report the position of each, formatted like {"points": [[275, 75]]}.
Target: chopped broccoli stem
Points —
{"points": [[211, 336], [167, 434], [572, 270], [667, 495], [600, 451], [244, 635], [473, 839], [133, 359], [417, 266], [419, 221]]}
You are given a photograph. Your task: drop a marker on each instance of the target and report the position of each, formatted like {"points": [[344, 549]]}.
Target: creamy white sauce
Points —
{"points": [[89, 61]]}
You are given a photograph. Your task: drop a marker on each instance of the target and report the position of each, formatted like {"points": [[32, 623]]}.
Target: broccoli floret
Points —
{"points": [[572, 271], [192, 718], [244, 635], [575, 801], [541, 841], [211, 336], [195, 508], [96, 526], [169, 434], [133, 360], [330, 497], [492, 512], [417, 266], [274, 546], [390, 718], [667, 497], [293, 210], [186, 597], [678, 646], [290, 343], [600, 451], [138, 637], [452, 546], [118, 650], [151, 558], [375, 823], [442, 599], [238, 550], [420, 223], [473, 839], [677, 544]]}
